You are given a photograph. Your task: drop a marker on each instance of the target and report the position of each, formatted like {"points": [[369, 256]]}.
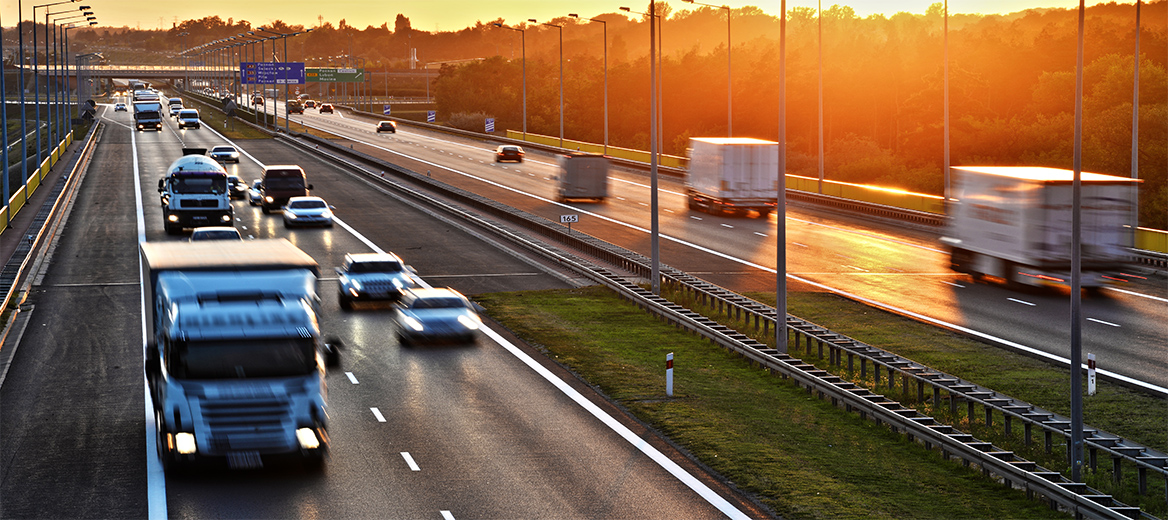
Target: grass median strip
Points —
{"points": [[800, 455]]}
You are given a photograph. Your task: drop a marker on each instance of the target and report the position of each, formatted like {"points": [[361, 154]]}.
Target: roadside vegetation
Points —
{"points": [[797, 454]]}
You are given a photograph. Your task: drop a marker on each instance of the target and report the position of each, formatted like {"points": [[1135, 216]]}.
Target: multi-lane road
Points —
{"points": [[903, 270], [482, 431], [485, 431]]}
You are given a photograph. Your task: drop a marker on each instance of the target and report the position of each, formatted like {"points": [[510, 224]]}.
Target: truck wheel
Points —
{"points": [[715, 208], [692, 203], [764, 213], [173, 229], [345, 301], [266, 210]]}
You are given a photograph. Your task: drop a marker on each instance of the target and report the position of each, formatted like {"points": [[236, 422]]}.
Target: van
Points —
{"points": [[175, 105], [280, 183]]}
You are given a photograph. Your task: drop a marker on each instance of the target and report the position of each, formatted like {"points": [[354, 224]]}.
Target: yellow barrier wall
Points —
{"points": [[1152, 240]]}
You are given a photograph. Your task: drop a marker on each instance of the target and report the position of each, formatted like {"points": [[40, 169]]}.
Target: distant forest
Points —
{"points": [[1012, 83]]}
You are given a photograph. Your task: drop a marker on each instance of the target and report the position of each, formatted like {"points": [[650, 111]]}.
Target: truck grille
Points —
{"points": [[260, 424], [198, 203]]}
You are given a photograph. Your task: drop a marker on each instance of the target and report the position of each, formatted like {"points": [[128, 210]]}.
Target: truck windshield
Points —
{"points": [[243, 359], [284, 183], [200, 184]]}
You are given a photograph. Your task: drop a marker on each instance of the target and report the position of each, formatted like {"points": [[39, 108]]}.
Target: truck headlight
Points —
{"points": [[184, 443], [172, 218], [307, 438], [268, 199], [225, 218]]}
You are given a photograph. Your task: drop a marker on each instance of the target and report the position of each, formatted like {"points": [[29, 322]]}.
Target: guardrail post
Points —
{"points": [[969, 414], [1009, 425], [850, 366], [1026, 433], [936, 398], [863, 368], [875, 374], [1143, 480], [989, 410], [1049, 441]]}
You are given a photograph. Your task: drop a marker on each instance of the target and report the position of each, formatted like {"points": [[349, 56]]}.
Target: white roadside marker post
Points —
{"points": [[1090, 374], [669, 374]]}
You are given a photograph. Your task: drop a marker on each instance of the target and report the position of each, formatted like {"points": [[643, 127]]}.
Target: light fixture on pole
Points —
{"points": [[561, 28], [284, 36], [605, 77], [523, 47], [654, 230], [36, 75]]}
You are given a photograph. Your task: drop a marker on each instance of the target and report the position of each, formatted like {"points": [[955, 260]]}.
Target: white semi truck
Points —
{"points": [[194, 193], [234, 358], [733, 175], [1014, 223]]}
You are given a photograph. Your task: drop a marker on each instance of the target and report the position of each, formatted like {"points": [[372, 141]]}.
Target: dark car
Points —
{"points": [[326, 108], [387, 126], [508, 152], [236, 188], [120, 107], [310, 104], [294, 107]]}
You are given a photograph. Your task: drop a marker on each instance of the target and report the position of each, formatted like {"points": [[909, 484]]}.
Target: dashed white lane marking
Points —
{"points": [[377, 414], [352, 378], [1103, 322], [798, 244], [446, 515], [410, 461], [953, 284], [727, 226], [761, 234], [856, 268], [1015, 300], [695, 218]]}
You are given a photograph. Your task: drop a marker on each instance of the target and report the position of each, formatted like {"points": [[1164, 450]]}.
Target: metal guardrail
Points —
{"points": [[1075, 497]]}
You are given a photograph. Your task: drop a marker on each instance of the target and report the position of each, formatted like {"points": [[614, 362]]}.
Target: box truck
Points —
{"points": [[1014, 223], [582, 176], [733, 175], [234, 360]]}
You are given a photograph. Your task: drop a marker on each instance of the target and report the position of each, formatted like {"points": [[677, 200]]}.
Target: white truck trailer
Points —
{"points": [[234, 359], [582, 176], [733, 174], [1014, 223]]}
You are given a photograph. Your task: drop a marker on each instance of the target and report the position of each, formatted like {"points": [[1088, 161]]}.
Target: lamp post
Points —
{"points": [[36, 75], [523, 47], [186, 64], [605, 34], [729, 81], [284, 36], [654, 237], [561, 28], [4, 139], [50, 92]]}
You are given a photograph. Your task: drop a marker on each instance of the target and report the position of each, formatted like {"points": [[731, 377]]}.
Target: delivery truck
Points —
{"points": [[733, 175], [234, 360], [582, 176], [1014, 223]]}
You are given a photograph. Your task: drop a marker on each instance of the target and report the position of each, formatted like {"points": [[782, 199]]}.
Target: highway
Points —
{"points": [[486, 430], [899, 269]]}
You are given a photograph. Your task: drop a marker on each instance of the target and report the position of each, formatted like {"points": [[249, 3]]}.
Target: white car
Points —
{"points": [[215, 233], [432, 315], [189, 117], [307, 211]]}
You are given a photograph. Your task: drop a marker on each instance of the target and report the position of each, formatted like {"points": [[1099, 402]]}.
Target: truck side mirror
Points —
{"points": [[332, 352], [153, 362], [162, 184], [310, 186]]}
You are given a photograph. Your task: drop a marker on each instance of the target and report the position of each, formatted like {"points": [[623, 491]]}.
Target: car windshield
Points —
{"points": [[200, 184], [284, 183], [437, 303], [222, 149], [307, 204], [215, 235], [375, 267], [242, 359]]}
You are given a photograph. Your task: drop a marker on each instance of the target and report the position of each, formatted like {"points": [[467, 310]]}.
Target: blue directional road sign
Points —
{"points": [[271, 73], [431, 116], [385, 109], [490, 124]]}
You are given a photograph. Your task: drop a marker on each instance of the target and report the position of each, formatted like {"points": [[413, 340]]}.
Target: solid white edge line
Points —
{"points": [[155, 474], [1023, 302], [668, 465], [377, 414], [410, 461], [1103, 322]]}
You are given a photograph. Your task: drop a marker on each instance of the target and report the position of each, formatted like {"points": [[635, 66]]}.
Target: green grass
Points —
{"points": [[798, 454]]}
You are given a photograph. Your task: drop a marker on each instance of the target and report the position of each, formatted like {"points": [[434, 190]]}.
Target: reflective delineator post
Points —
{"points": [[669, 374], [1090, 374]]}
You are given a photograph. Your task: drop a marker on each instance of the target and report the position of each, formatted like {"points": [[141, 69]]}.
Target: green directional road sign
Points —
{"points": [[334, 75]]}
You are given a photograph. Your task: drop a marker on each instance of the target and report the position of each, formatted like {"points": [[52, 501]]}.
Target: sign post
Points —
{"points": [[569, 219]]}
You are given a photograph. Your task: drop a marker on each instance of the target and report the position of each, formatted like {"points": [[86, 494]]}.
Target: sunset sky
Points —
{"points": [[449, 15]]}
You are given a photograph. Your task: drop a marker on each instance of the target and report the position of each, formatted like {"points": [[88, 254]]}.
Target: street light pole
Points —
{"points": [[561, 28], [729, 80], [654, 231], [605, 33], [523, 46]]}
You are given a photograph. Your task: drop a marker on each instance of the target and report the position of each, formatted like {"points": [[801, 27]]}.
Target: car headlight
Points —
{"points": [[290, 215], [397, 284], [268, 199], [327, 214], [413, 323], [184, 443], [470, 322]]}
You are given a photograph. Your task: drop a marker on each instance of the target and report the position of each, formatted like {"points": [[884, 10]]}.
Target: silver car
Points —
{"points": [[433, 315], [307, 211], [373, 276]]}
